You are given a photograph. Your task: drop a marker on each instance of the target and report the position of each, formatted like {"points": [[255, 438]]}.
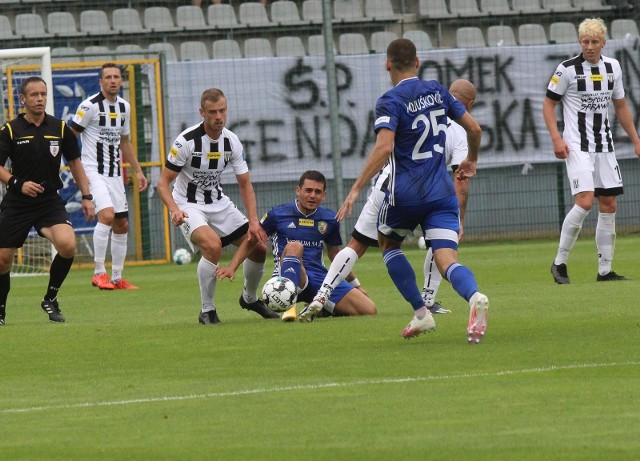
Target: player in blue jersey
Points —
{"points": [[299, 232], [410, 136]]}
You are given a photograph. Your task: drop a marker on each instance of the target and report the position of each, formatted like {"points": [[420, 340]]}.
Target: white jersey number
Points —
{"points": [[430, 124]]}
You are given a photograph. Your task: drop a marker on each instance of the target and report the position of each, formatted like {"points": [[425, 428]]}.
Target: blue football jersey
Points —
{"points": [[416, 111], [285, 223]]}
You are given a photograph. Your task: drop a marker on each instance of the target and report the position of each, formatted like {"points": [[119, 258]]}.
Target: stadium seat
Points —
{"points": [[127, 21], [469, 37], [559, 6], [285, 12], [465, 8], [254, 14], [226, 49], [348, 11], [258, 48], [190, 17], [158, 19], [531, 34], [129, 51], [495, 7], [563, 32], [434, 9], [380, 10], [62, 24], [167, 48], [380, 41], [65, 54], [315, 45], [500, 36], [95, 22], [222, 16], [96, 53], [593, 5], [6, 31], [30, 25], [620, 28], [312, 11], [420, 38], [288, 46], [526, 7], [193, 51], [353, 43]]}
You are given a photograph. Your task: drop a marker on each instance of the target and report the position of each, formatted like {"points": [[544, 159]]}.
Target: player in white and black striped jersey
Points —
{"points": [[102, 121], [586, 85], [208, 218]]}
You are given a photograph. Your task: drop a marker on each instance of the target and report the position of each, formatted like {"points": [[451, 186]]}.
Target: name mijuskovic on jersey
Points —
{"points": [[586, 91], [202, 160], [101, 123]]}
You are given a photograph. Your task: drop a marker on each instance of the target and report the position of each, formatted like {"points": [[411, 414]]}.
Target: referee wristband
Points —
{"points": [[15, 183], [355, 282], [87, 197]]}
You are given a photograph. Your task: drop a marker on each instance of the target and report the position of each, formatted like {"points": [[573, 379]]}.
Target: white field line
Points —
{"points": [[307, 387]]}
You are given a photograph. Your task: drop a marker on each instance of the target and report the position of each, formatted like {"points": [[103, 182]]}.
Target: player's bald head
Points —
{"points": [[463, 90]]}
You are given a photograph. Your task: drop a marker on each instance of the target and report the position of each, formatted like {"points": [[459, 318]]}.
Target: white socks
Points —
{"points": [[253, 272], [100, 242], [207, 280], [340, 267], [570, 230], [605, 241], [432, 279]]}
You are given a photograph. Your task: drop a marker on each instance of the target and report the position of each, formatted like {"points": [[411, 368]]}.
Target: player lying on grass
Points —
{"points": [[299, 231]]}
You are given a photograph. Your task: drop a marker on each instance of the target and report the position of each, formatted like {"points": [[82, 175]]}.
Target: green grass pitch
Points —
{"points": [[132, 376]]}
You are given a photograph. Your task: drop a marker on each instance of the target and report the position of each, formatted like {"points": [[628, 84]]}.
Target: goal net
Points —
{"points": [[69, 83]]}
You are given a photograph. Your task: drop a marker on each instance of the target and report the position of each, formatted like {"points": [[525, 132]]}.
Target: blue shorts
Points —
{"points": [[396, 222], [315, 283]]}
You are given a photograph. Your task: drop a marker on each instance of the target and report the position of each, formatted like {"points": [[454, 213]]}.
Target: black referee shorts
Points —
{"points": [[16, 219]]}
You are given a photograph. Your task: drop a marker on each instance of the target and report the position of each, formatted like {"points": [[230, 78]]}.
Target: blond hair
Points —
{"points": [[593, 26]]}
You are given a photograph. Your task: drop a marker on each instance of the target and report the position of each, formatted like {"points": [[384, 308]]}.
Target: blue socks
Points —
{"points": [[403, 276], [462, 280], [290, 269]]}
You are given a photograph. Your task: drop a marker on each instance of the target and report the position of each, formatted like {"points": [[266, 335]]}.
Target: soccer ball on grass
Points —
{"points": [[279, 294], [181, 256]]}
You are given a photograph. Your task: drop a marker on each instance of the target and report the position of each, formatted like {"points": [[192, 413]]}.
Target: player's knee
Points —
{"points": [[293, 249], [66, 248], [258, 253]]}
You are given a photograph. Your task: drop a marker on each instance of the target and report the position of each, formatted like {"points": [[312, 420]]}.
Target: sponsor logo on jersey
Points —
{"points": [[555, 80], [80, 113], [306, 222], [322, 227], [596, 78], [291, 225], [22, 141], [113, 115], [173, 152], [213, 155]]}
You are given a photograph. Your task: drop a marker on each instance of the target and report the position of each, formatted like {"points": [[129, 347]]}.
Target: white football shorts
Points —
{"points": [[108, 192], [222, 216], [588, 171]]}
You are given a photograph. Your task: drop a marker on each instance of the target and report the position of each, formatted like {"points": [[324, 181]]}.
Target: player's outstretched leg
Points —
{"points": [[478, 315]]}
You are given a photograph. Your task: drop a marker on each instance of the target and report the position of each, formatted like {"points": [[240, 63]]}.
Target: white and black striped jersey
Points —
{"points": [[101, 123], [200, 161], [586, 91]]}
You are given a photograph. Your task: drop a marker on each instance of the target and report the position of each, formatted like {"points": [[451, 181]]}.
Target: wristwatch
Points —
{"points": [[87, 197]]}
